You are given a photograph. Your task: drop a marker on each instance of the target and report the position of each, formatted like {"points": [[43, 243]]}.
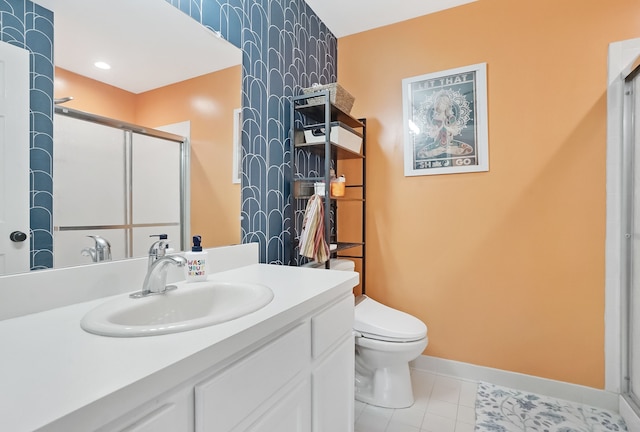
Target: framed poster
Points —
{"points": [[445, 122]]}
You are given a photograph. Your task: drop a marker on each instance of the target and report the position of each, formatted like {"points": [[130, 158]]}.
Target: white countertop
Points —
{"points": [[50, 368]]}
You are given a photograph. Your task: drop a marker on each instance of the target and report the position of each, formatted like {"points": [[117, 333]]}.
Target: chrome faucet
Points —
{"points": [[156, 280], [100, 252]]}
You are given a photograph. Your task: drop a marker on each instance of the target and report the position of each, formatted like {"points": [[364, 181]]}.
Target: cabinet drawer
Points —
{"points": [[164, 418], [225, 399], [331, 324], [170, 413]]}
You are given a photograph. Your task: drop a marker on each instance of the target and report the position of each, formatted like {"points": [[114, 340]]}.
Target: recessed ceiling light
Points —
{"points": [[102, 65]]}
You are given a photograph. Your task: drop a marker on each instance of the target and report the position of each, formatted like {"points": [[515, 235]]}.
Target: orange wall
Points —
{"points": [[506, 267], [208, 103], [93, 96]]}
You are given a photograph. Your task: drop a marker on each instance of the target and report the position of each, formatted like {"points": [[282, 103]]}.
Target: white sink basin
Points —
{"points": [[191, 306]]}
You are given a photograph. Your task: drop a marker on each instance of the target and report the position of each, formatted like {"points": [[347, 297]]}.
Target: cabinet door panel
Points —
{"points": [[333, 382], [232, 395], [290, 414]]}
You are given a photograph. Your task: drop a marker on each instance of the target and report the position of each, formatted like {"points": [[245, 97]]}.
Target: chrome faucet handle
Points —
{"points": [[156, 280], [158, 248]]}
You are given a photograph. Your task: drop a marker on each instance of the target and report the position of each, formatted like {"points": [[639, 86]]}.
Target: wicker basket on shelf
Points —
{"points": [[337, 94]]}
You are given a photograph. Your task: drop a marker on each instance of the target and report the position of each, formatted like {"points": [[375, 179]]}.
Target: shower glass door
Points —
{"points": [[632, 295]]}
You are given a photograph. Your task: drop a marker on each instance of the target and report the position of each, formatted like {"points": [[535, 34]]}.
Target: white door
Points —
{"points": [[14, 159]]}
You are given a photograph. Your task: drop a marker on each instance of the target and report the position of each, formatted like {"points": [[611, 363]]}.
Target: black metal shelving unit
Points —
{"points": [[322, 115]]}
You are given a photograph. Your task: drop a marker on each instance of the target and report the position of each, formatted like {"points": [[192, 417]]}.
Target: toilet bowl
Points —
{"points": [[386, 340]]}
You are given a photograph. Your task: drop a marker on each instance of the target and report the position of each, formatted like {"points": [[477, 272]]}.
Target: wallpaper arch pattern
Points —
{"points": [[285, 47], [30, 26]]}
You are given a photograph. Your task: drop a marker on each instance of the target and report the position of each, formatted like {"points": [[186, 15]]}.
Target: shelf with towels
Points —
{"points": [[333, 135]]}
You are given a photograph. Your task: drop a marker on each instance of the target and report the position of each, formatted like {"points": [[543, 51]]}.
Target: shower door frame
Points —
{"points": [[129, 129]]}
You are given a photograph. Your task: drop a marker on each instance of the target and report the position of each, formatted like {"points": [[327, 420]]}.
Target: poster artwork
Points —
{"points": [[443, 120]]}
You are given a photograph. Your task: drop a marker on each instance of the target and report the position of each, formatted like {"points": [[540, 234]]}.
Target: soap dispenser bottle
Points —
{"points": [[196, 261]]}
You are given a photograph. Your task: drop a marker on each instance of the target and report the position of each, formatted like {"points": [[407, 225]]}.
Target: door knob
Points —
{"points": [[17, 236]]}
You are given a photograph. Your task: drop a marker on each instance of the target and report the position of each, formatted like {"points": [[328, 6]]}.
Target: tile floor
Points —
{"points": [[443, 404]]}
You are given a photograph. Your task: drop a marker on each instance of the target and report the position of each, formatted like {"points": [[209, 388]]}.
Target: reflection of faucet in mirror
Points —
{"points": [[156, 280], [100, 252]]}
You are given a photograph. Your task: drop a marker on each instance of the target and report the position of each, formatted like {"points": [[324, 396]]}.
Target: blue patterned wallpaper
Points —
{"points": [[30, 26], [285, 47]]}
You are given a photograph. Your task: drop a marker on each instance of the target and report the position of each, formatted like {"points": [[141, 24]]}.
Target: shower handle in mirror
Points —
{"points": [[17, 236]]}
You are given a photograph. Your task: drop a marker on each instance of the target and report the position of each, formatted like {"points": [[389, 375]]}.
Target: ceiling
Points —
{"points": [[346, 17], [150, 44]]}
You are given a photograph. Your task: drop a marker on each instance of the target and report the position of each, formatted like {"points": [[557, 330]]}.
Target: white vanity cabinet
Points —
{"points": [[287, 367], [300, 379], [300, 382]]}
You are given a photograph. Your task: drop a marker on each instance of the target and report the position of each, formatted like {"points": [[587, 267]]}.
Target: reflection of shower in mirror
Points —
{"points": [[120, 196], [62, 100]]}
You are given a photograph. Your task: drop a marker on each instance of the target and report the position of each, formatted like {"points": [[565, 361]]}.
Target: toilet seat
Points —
{"points": [[374, 320]]}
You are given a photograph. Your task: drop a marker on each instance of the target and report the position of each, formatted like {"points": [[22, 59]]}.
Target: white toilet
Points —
{"points": [[386, 340]]}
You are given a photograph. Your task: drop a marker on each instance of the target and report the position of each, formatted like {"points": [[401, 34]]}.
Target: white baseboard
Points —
{"points": [[557, 389], [629, 415]]}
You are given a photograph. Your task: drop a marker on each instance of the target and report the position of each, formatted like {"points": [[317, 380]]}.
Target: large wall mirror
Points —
{"points": [[168, 72]]}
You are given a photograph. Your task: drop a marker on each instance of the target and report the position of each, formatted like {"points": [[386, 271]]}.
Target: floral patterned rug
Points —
{"points": [[501, 409]]}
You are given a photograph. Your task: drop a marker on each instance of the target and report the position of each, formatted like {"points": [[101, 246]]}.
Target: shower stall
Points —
{"points": [[631, 292], [118, 181]]}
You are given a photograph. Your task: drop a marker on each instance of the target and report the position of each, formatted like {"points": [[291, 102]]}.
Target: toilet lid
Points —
{"points": [[377, 321]]}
